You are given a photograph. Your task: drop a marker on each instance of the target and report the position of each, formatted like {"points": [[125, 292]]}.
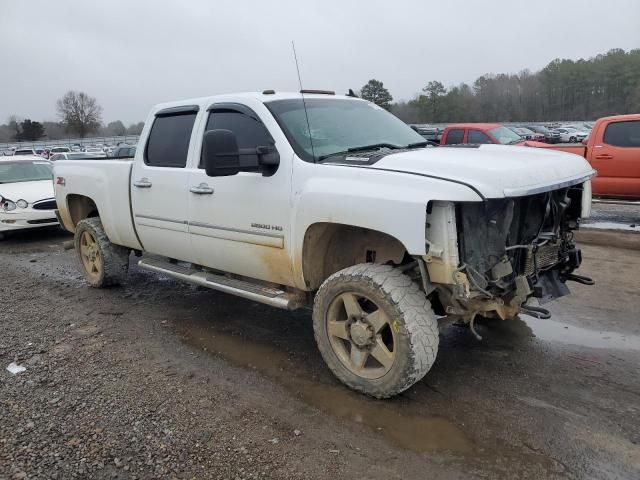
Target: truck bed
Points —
{"points": [[107, 183], [578, 149]]}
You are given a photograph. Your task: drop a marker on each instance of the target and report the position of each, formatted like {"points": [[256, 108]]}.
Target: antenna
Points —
{"points": [[304, 103]]}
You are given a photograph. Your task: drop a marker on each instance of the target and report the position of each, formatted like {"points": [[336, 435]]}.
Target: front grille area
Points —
{"points": [[49, 204], [42, 220], [546, 256]]}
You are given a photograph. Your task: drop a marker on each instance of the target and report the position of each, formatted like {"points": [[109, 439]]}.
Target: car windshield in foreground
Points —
{"points": [[338, 126], [25, 171], [505, 136]]}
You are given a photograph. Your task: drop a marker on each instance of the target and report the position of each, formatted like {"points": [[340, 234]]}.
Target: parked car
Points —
{"points": [[531, 134], [480, 133], [77, 156], [236, 193], [548, 135], [571, 134], [55, 150], [526, 133], [123, 151], [24, 151], [26, 193], [95, 150], [613, 149]]}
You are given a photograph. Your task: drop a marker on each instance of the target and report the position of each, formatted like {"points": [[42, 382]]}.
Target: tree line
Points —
{"points": [[80, 116], [604, 85]]}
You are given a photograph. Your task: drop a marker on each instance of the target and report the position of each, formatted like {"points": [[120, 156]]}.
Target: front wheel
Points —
{"points": [[103, 263], [572, 140], [375, 329]]}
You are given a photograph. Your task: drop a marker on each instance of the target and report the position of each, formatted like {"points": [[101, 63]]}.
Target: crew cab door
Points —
{"points": [[616, 157], [159, 184], [240, 223]]}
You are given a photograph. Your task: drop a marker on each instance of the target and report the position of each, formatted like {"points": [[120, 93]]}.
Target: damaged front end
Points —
{"points": [[506, 251]]}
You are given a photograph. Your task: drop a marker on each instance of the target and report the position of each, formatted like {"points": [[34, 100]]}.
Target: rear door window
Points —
{"points": [[169, 139], [476, 136], [623, 134], [455, 136]]}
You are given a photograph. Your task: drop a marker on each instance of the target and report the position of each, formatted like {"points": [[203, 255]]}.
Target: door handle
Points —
{"points": [[202, 189], [143, 183], [604, 156]]}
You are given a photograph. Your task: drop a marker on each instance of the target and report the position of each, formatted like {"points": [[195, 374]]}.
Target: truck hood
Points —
{"points": [[493, 171], [29, 191]]}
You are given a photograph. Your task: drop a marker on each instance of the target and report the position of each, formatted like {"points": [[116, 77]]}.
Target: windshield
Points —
{"points": [[337, 125], [23, 171], [505, 136], [60, 149]]}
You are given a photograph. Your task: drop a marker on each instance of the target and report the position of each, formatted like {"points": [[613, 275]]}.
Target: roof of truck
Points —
{"points": [[479, 126], [260, 96]]}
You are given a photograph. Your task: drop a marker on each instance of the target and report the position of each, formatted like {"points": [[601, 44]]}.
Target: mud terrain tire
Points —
{"points": [[409, 316], [103, 264]]}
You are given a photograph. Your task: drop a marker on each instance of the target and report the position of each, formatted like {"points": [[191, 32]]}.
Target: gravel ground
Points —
{"points": [[162, 380]]}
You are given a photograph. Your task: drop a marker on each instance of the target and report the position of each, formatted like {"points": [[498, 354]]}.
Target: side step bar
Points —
{"points": [[250, 291]]}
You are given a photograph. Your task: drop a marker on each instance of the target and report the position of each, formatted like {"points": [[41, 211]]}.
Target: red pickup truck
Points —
{"points": [[480, 133], [613, 149]]}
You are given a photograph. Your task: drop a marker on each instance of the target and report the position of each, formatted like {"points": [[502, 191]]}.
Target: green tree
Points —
{"points": [[375, 92], [80, 113], [31, 131], [432, 100]]}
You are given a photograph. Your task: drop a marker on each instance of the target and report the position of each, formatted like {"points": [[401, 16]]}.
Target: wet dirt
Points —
{"points": [[411, 432], [233, 381]]}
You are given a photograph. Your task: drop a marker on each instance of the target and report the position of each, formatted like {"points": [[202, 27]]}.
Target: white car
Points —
{"points": [[24, 151], [26, 193], [77, 156], [93, 150], [571, 134], [55, 150]]}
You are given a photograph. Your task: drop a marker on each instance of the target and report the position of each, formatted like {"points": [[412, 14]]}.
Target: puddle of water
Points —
{"points": [[555, 331], [410, 432], [613, 226]]}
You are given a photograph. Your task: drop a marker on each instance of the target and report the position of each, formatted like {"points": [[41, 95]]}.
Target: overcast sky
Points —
{"points": [[131, 54]]}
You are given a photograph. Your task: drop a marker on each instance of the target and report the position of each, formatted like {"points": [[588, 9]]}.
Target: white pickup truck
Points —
{"points": [[313, 199]]}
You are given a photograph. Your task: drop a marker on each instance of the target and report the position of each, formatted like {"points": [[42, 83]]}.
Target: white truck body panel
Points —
{"points": [[106, 182], [496, 171]]}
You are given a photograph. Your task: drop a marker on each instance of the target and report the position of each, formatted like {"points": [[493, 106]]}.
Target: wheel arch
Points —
{"points": [[80, 207], [330, 247]]}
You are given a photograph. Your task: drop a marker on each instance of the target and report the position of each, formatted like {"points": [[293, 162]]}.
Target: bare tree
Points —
{"points": [[79, 113]]}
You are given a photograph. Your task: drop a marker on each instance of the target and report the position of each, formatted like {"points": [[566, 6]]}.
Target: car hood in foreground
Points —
{"points": [[29, 191], [494, 171]]}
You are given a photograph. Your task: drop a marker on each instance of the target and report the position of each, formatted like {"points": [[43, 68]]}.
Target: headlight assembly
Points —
{"points": [[6, 204]]}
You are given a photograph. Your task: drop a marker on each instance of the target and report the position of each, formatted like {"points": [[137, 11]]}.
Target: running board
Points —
{"points": [[250, 291]]}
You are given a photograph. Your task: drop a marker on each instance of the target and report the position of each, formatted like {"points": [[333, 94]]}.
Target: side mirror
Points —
{"points": [[221, 154]]}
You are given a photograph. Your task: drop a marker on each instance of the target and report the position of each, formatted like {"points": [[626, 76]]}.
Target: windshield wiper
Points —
{"points": [[419, 144], [362, 148]]}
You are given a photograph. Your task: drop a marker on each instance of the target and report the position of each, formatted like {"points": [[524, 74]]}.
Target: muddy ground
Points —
{"points": [[163, 380]]}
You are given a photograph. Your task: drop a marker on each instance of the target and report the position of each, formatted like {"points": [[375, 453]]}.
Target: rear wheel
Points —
{"points": [[375, 329], [103, 263]]}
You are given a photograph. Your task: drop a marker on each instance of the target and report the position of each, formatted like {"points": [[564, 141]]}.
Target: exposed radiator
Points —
{"points": [[546, 256]]}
